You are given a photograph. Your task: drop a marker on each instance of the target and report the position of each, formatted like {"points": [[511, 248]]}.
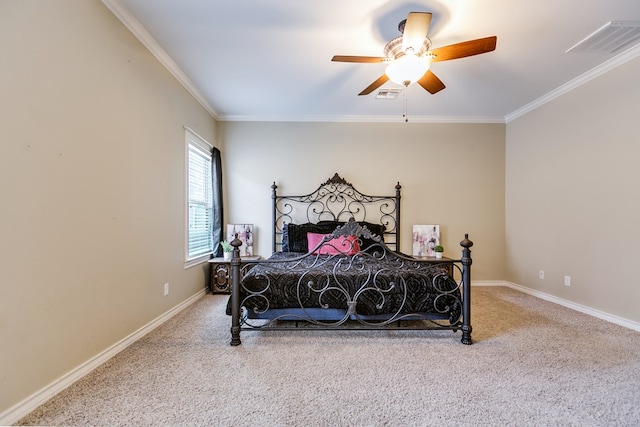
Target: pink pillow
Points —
{"points": [[347, 245]]}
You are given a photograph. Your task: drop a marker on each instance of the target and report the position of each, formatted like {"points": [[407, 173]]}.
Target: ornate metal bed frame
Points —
{"points": [[338, 200]]}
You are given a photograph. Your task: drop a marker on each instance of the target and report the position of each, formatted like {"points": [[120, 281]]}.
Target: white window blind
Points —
{"points": [[200, 198]]}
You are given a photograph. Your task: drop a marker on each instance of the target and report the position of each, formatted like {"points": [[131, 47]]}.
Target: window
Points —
{"points": [[199, 199]]}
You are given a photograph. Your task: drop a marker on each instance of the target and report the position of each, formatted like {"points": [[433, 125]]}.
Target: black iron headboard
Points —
{"points": [[337, 200]]}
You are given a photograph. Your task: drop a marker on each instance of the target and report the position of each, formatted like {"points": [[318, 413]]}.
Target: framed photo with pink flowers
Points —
{"points": [[424, 239], [245, 234]]}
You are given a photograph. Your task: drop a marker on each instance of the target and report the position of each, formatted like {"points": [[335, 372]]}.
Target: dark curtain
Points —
{"points": [[216, 176]]}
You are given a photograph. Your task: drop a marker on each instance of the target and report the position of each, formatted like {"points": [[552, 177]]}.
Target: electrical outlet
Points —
{"points": [[541, 274], [567, 280], [166, 289]]}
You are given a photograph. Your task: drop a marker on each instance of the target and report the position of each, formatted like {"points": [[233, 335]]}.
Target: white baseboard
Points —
{"points": [[572, 305], [23, 408], [488, 283]]}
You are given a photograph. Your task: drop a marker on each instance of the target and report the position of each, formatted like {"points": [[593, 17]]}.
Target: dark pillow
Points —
{"points": [[285, 237], [294, 236], [377, 229]]}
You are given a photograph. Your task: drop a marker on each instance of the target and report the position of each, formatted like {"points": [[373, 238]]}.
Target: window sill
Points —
{"points": [[198, 260]]}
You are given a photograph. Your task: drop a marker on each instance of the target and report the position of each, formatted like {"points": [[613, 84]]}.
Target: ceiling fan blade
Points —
{"points": [[415, 31], [375, 85], [360, 59], [431, 83], [464, 49]]}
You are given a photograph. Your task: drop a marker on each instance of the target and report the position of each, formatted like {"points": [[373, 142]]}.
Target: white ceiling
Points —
{"points": [[271, 59]]}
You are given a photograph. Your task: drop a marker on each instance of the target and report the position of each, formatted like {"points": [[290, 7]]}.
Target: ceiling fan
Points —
{"points": [[409, 56]]}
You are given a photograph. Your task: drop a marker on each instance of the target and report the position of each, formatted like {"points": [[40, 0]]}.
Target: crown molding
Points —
{"points": [[595, 72], [364, 119], [136, 28]]}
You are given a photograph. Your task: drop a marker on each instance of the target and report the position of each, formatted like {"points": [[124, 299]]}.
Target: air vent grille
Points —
{"points": [[612, 36], [387, 94]]}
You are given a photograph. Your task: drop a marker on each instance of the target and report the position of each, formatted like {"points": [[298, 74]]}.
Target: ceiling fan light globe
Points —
{"points": [[407, 68]]}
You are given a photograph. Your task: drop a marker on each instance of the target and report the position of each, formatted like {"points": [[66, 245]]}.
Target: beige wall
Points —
{"points": [[451, 174], [572, 203], [91, 189]]}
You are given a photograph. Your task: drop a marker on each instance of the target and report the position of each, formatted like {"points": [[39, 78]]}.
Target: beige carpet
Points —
{"points": [[533, 363]]}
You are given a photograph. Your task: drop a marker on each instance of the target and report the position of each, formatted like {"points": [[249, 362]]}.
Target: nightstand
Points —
{"points": [[220, 281], [444, 263]]}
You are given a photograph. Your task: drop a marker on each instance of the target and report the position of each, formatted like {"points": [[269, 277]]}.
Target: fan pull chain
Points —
{"points": [[404, 105]]}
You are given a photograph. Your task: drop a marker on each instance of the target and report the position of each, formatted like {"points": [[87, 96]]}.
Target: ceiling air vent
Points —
{"points": [[609, 38], [387, 94]]}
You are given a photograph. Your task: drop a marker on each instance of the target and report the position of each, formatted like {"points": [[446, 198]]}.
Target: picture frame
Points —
{"points": [[424, 238], [245, 234]]}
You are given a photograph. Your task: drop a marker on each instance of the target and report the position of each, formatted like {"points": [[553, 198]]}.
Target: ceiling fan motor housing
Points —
{"points": [[393, 49]]}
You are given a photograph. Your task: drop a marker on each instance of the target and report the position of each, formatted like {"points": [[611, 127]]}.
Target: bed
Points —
{"points": [[337, 264]]}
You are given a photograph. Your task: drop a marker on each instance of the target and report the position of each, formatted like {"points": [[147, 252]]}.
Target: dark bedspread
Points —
{"points": [[365, 284]]}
